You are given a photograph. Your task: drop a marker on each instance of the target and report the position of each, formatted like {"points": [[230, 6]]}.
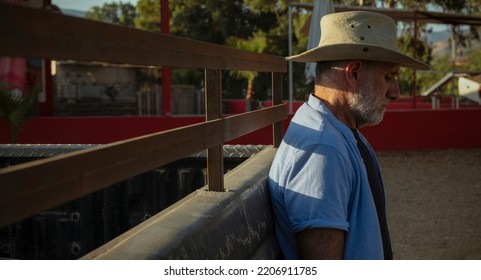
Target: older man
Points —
{"points": [[325, 182]]}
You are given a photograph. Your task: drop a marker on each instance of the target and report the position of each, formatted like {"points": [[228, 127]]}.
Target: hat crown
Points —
{"points": [[359, 28]]}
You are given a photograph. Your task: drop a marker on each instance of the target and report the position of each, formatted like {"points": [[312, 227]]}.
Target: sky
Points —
{"points": [[84, 5]]}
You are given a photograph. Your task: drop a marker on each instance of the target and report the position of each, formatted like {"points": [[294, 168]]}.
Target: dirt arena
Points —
{"points": [[434, 203]]}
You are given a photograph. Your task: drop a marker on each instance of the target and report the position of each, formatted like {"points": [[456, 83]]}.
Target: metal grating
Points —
{"points": [[39, 150], [49, 150]]}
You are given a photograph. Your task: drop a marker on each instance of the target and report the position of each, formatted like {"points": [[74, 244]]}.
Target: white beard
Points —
{"points": [[368, 107]]}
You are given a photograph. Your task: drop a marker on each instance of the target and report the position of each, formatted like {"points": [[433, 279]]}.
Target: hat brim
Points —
{"points": [[358, 51]]}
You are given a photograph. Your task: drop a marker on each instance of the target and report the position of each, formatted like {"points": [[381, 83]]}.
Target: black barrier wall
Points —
{"points": [[71, 230]]}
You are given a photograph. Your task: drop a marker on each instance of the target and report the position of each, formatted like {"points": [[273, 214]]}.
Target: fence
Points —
{"points": [[29, 188]]}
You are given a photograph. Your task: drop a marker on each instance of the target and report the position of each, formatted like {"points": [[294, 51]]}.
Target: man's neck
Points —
{"points": [[336, 101]]}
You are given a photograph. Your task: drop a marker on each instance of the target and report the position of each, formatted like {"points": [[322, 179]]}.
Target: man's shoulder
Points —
{"points": [[315, 130]]}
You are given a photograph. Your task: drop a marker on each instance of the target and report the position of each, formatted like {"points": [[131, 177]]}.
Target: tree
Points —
{"points": [[422, 52], [128, 14], [474, 62], [116, 13], [148, 17], [211, 20], [257, 43], [219, 21], [216, 21]]}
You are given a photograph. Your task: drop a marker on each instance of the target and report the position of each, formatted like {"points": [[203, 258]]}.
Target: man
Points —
{"points": [[325, 182]]}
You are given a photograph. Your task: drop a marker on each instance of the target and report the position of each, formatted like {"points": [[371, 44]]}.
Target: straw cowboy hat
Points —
{"points": [[358, 35]]}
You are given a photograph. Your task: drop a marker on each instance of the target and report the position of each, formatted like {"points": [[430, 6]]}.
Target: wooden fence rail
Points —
{"points": [[27, 189]]}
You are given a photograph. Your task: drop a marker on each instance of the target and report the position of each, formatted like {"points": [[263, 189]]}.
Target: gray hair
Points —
{"points": [[325, 68]]}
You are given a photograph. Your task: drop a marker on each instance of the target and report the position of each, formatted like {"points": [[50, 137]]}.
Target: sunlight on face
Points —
{"points": [[368, 105]]}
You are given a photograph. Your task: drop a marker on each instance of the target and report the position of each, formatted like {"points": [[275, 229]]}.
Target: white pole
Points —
{"points": [[291, 86]]}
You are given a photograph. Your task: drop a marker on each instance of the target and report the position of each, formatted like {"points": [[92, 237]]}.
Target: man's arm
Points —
{"points": [[321, 243]]}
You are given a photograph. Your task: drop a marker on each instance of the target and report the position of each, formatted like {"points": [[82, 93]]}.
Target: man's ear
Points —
{"points": [[353, 72]]}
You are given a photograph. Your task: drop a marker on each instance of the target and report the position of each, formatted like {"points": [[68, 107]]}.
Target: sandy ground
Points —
{"points": [[434, 203]]}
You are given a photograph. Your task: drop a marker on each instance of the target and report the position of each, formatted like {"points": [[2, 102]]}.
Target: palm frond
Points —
{"points": [[16, 109]]}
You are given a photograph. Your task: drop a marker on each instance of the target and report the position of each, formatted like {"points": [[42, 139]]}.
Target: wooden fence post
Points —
{"points": [[213, 104]]}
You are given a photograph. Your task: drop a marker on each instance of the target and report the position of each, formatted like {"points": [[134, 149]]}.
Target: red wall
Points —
{"points": [[92, 130], [400, 130], [426, 129]]}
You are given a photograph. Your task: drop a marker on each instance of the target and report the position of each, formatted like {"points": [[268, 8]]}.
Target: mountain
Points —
{"points": [[439, 41], [436, 36], [75, 13]]}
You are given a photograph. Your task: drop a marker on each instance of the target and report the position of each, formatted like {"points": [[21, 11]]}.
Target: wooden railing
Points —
{"points": [[29, 188]]}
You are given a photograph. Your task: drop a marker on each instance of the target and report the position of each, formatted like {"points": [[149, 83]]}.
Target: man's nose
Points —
{"points": [[393, 92]]}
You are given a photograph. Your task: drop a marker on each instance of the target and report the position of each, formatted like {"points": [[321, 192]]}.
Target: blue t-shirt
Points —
{"points": [[318, 180]]}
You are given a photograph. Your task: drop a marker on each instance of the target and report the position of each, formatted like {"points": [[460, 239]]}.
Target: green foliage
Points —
{"points": [[148, 15], [236, 22], [451, 5], [127, 14], [16, 110], [116, 13], [423, 53], [211, 20], [257, 43], [474, 61], [265, 6], [187, 76]]}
